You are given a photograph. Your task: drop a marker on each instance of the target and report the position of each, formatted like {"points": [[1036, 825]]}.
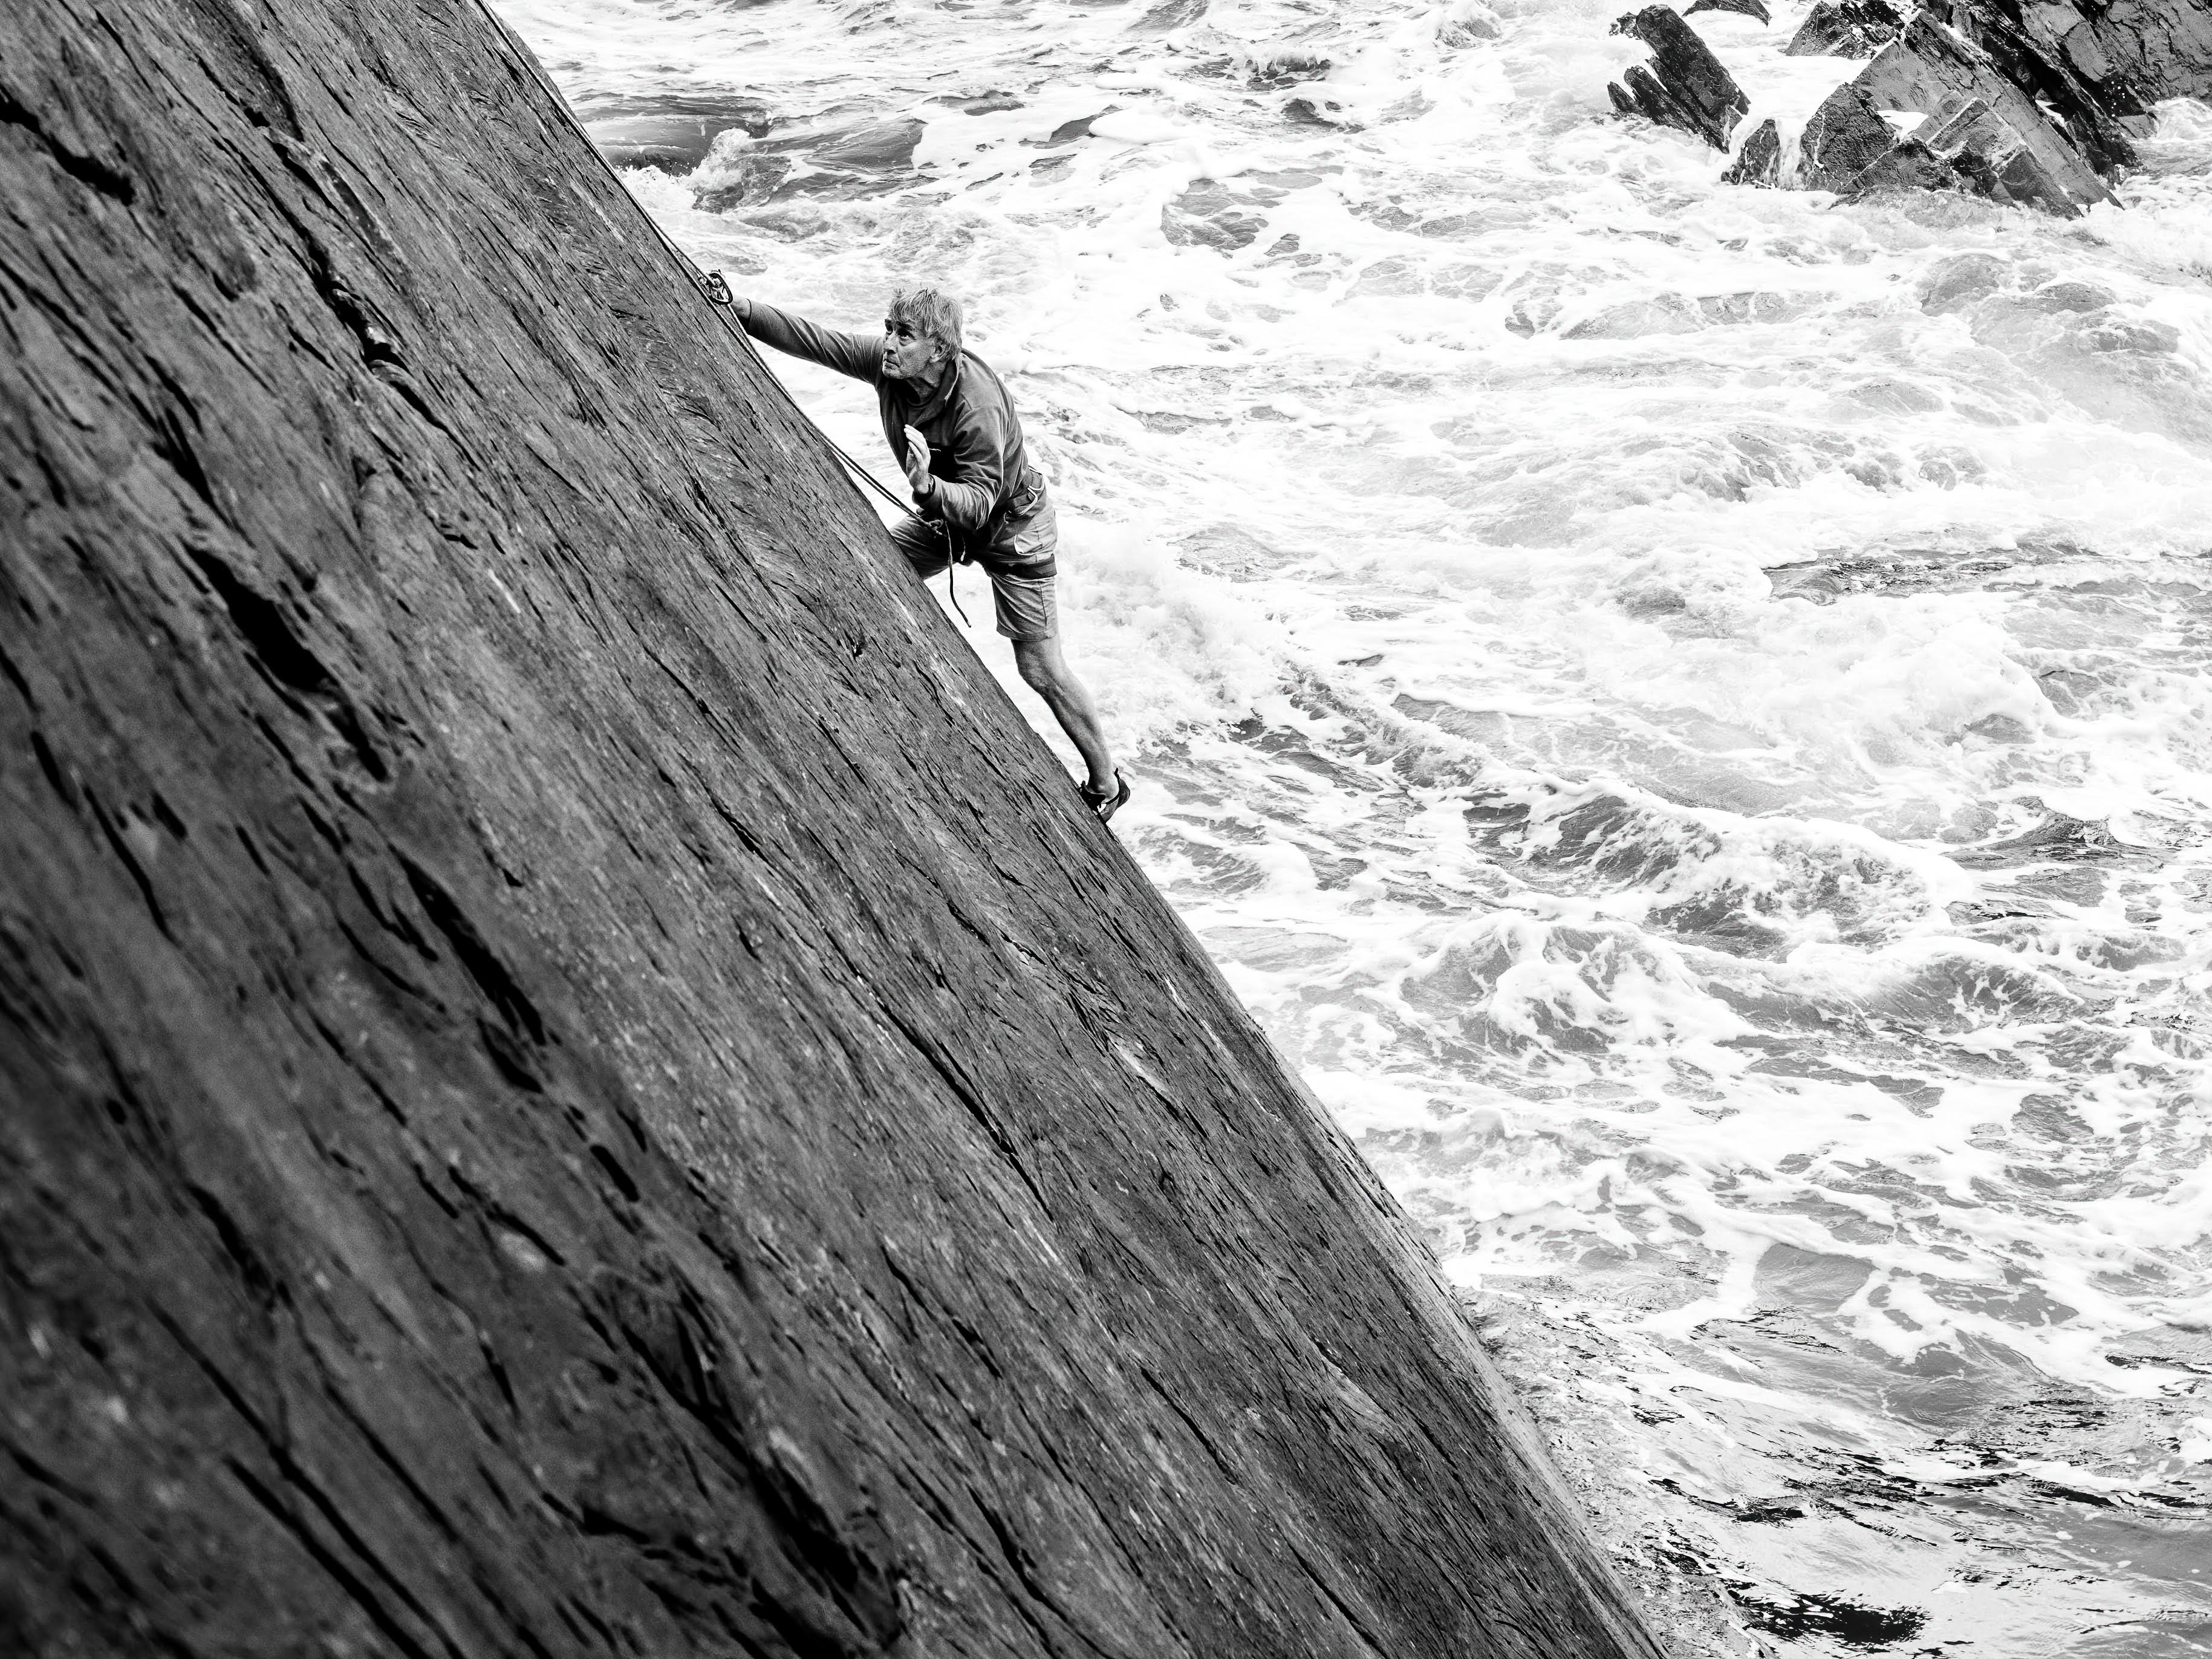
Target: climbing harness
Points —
{"points": [[717, 291]]}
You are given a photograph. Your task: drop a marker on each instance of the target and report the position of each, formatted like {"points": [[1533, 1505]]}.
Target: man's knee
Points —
{"points": [[1038, 662]]}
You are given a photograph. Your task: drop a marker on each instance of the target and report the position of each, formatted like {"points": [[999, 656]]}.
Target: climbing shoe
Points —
{"points": [[1106, 802]]}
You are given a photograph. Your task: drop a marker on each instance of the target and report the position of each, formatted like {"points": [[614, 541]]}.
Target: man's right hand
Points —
{"points": [[717, 290]]}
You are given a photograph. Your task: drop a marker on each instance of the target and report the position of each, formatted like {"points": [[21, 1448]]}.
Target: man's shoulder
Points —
{"points": [[980, 391]]}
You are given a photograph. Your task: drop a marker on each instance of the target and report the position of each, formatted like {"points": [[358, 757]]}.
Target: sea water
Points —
{"points": [[1682, 709]]}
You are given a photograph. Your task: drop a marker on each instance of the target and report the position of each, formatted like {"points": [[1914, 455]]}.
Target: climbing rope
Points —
{"points": [[716, 292]]}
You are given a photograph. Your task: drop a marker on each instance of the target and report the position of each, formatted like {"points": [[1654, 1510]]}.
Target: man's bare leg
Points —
{"points": [[1045, 672]]}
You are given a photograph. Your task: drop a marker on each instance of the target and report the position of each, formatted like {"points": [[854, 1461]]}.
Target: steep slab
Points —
{"points": [[576, 1081]]}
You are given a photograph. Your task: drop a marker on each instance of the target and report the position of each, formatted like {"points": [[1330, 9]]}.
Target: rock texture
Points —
{"points": [[2126, 54], [1845, 137], [1980, 123], [1685, 86], [1845, 29], [2036, 104], [576, 1081], [1760, 161]]}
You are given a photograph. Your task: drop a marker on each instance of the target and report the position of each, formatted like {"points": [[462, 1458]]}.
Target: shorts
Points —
{"points": [[1028, 607]]}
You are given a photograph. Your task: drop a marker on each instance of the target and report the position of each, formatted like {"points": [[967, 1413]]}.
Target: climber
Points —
{"points": [[953, 429]]}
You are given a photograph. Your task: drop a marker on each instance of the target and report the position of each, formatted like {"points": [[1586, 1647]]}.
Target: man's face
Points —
{"points": [[908, 355]]}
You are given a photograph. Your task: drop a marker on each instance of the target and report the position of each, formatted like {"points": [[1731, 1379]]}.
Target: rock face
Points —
{"points": [[1685, 86], [2036, 104], [1845, 136], [2128, 54], [1845, 29], [1979, 123], [1760, 161], [576, 1081]]}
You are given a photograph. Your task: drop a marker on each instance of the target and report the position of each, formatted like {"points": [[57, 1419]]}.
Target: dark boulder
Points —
{"points": [[577, 1082], [1683, 86], [1845, 29], [1978, 130], [1910, 164], [1980, 120], [2129, 54], [2099, 109], [1845, 136], [1760, 161]]}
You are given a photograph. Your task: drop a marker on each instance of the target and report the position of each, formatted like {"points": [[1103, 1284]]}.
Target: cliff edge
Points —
{"points": [[577, 1082]]}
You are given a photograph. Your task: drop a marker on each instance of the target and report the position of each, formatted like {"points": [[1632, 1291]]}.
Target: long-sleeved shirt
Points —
{"points": [[986, 489]]}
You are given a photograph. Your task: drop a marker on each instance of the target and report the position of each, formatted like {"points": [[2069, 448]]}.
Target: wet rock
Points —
{"points": [[1316, 112], [565, 1089], [1845, 29], [1845, 136], [1907, 165], [1988, 131], [2132, 52], [2097, 70], [1683, 86], [1742, 8], [1758, 163]]}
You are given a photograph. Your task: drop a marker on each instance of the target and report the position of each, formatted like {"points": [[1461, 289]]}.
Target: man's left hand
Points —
{"points": [[917, 462]]}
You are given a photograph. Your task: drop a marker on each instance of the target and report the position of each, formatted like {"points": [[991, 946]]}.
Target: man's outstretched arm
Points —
{"points": [[860, 355]]}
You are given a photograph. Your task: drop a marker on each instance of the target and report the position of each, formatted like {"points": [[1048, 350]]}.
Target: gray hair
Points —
{"points": [[933, 314]]}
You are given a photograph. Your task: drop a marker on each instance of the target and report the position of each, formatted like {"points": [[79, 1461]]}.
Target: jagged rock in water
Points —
{"points": [[2129, 54], [1683, 86], [1845, 29], [1910, 164], [1760, 161], [2096, 111], [1845, 136], [577, 1080], [1981, 124], [1745, 8]]}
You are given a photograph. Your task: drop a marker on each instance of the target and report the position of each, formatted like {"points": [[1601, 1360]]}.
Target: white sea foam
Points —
{"points": [[1576, 624]]}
